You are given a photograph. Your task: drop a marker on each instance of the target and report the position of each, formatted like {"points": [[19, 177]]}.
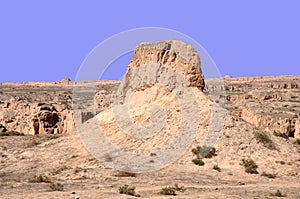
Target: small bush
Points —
{"points": [[176, 187], [79, 169], [217, 168], [171, 190], [297, 142], [128, 190], [39, 179], [11, 133], [125, 174], [278, 194], [198, 162], [58, 170], [268, 175], [283, 135], [56, 187], [250, 166], [168, 191], [265, 140], [196, 150], [204, 151]]}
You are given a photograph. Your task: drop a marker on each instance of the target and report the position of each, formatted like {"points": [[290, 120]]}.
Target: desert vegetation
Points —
{"points": [[264, 138], [171, 190], [128, 190], [11, 133], [250, 166]]}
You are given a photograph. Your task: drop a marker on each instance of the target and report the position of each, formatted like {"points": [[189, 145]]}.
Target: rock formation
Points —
{"points": [[40, 107], [160, 122], [268, 103], [176, 55]]}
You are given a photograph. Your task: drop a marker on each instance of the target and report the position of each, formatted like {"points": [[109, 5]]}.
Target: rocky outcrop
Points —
{"points": [[36, 118], [102, 100], [182, 58], [272, 122], [65, 81]]}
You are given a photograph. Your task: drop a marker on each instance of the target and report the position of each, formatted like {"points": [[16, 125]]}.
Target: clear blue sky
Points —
{"points": [[48, 40]]}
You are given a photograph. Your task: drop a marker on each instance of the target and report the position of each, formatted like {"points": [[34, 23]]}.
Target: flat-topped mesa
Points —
{"points": [[177, 55]]}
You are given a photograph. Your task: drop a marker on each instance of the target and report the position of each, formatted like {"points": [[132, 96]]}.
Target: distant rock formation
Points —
{"points": [[41, 107], [65, 81]]}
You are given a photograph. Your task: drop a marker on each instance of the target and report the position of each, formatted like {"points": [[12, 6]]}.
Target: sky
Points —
{"points": [[49, 40]]}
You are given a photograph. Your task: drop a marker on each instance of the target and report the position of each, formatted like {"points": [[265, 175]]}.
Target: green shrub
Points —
{"points": [[56, 187], [39, 179], [176, 187], [128, 190], [283, 135], [11, 133], [278, 194], [217, 168], [198, 162], [171, 190], [79, 169], [168, 191], [265, 140], [297, 142], [58, 170], [250, 166], [204, 151], [196, 150], [269, 175]]}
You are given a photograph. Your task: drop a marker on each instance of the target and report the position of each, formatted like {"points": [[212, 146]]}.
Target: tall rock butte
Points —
{"points": [[157, 99], [166, 63]]}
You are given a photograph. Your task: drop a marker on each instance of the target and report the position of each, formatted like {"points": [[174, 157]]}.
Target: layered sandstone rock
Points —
{"points": [[43, 107], [268, 121], [35, 118], [176, 55], [102, 100], [158, 99], [269, 103]]}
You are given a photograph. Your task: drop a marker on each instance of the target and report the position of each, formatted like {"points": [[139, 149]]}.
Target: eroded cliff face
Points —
{"points": [[40, 107], [269, 103]]}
